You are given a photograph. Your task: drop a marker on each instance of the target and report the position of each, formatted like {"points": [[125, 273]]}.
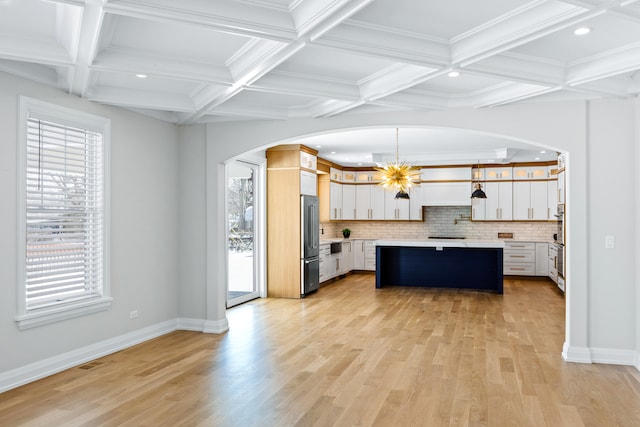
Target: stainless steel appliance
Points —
{"points": [[560, 246], [310, 248]]}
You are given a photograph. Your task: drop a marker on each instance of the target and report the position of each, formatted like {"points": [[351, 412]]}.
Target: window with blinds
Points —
{"points": [[63, 212]]}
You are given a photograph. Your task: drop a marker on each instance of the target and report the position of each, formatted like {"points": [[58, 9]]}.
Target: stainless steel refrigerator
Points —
{"points": [[310, 250]]}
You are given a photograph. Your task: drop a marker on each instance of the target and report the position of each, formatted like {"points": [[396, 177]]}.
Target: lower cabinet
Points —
{"points": [[357, 247], [346, 258], [369, 255], [526, 259]]}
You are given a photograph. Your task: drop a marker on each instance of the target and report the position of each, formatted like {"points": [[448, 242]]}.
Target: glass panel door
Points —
{"points": [[241, 232]]}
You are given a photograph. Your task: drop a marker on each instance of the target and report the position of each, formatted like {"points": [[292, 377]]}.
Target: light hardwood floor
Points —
{"points": [[349, 355]]}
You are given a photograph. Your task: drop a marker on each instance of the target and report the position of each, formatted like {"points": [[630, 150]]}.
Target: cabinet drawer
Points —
{"points": [[519, 256], [520, 269], [370, 264], [369, 249], [519, 246]]}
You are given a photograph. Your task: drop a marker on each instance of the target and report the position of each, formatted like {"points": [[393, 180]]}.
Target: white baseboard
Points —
{"points": [[614, 357], [576, 354], [186, 324], [215, 326], [37, 370], [609, 356]]}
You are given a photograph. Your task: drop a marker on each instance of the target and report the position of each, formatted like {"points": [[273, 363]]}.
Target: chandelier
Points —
{"points": [[398, 176]]}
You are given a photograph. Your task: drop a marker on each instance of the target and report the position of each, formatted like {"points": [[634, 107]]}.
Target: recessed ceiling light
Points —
{"points": [[141, 76], [333, 152], [582, 31], [537, 158], [543, 152], [454, 73], [318, 146]]}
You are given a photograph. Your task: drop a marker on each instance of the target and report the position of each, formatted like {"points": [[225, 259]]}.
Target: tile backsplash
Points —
{"points": [[441, 221]]}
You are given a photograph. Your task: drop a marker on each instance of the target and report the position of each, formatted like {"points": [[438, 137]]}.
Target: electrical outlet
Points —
{"points": [[609, 242], [133, 314]]}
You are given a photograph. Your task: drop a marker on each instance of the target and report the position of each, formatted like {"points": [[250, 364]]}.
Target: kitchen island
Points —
{"points": [[460, 264]]}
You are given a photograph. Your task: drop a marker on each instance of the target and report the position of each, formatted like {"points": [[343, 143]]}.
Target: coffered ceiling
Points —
{"points": [[222, 60]]}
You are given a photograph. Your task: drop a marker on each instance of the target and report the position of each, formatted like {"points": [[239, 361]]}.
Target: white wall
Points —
{"points": [[192, 219], [144, 268], [601, 326]]}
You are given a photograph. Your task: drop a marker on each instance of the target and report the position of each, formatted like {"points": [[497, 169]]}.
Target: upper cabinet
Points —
{"points": [[530, 201], [446, 186], [530, 172], [502, 173]]}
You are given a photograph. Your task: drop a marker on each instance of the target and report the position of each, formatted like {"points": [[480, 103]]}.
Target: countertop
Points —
{"points": [[445, 243]]}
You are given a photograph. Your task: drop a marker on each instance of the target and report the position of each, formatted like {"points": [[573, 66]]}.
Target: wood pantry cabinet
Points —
{"points": [[284, 167]]}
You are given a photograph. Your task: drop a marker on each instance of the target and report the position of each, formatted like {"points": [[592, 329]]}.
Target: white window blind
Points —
{"points": [[64, 213]]}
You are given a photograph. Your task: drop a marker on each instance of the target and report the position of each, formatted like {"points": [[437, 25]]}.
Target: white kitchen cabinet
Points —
{"points": [[499, 201], [325, 262], [415, 203], [369, 255], [553, 263], [498, 174], [346, 257], [395, 209], [367, 176], [478, 209], [561, 188], [308, 183], [348, 201], [519, 258], [552, 199], [530, 200], [369, 202], [357, 248], [308, 161], [335, 174], [446, 186], [348, 176], [335, 200], [446, 194], [446, 174], [530, 172], [542, 259]]}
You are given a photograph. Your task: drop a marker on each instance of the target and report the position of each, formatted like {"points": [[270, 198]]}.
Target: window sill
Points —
{"points": [[46, 316]]}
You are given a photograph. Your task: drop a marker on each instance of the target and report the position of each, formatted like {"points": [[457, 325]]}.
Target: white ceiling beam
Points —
{"points": [[39, 51], [332, 107], [226, 16], [603, 66], [511, 93], [413, 99], [87, 39], [36, 72], [153, 100], [524, 25], [311, 14], [383, 43], [133, 62], [302, 85], [519, 68], [332, 20], [251, 112], [393, 79]]}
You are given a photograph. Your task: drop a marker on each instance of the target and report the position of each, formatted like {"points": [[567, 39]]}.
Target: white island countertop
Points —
{"points": [[441, 243]]}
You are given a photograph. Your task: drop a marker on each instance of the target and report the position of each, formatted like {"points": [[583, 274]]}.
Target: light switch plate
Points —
{"points": [[609, 242]]}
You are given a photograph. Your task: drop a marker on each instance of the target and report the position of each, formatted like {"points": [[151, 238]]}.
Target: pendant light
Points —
{"points": [[398, 176], [478, 193]]}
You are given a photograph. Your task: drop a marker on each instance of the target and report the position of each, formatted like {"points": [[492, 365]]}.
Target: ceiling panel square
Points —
{"points": [[333, 64], [608, 32], [464, 84], [440, 19], [176, 40]]}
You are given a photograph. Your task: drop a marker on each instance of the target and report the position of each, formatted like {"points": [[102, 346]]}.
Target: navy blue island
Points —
{"points": [[459, 264]]}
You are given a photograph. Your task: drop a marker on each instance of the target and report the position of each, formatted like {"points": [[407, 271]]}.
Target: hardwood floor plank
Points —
{"points": [[349, 355]]}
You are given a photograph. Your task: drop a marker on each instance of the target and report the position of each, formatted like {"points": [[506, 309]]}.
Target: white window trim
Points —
{"points": [[31, 318]]}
